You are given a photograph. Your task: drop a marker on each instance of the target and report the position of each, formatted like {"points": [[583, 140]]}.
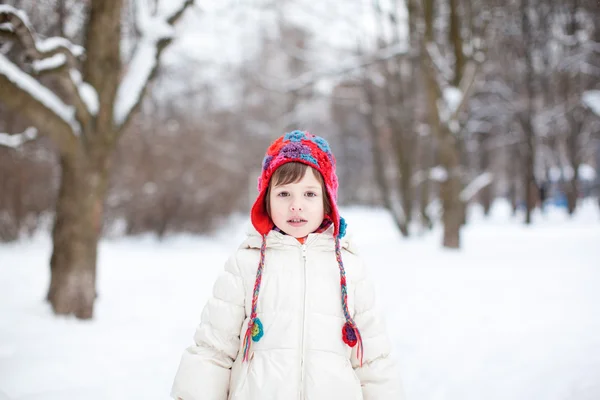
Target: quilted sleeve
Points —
{"points": [[379, 375], [205, 366]]}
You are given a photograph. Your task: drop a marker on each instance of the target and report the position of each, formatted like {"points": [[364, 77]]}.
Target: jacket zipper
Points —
{"points": [[303, 325]]}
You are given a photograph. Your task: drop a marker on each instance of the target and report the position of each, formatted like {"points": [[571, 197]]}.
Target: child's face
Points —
{"points": [[297, 208]]}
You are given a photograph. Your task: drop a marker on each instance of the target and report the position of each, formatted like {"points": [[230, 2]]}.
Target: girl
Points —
{"points": [[292, 316]]}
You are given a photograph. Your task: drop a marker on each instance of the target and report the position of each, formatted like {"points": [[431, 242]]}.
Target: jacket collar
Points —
{"points": [[275, 239]]}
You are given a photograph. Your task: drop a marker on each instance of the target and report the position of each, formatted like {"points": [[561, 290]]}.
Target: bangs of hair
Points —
{"points": [[292, 172]]}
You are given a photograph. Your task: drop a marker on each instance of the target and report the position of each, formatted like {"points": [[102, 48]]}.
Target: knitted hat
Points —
{"points": [[314, 151]]}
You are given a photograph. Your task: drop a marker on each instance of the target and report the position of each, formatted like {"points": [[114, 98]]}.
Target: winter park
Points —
{"points": [[140, 142]]}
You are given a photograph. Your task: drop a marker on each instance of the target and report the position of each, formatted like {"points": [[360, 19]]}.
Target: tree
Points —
{"points": [[95, 97], [446, 100]]}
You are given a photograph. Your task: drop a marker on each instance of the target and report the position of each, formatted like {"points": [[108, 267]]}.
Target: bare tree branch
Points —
{"points": [[466, 88], [311, 77]]}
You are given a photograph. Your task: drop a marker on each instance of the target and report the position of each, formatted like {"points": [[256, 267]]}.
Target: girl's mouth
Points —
{"points": [[297, 221]]}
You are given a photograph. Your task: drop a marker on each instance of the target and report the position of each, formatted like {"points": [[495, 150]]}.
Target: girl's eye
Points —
{"points": [[283, 194], [311, 194]]}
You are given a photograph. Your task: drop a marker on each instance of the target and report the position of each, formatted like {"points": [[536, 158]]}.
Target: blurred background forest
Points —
{"points": [[244, 72], [429, 105]]}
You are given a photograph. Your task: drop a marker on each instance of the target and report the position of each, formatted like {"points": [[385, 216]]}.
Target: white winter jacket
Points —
{"points": [[301, 355]]}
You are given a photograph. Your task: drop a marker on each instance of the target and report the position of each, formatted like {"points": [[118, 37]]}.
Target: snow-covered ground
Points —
{"points": [[514, 315]]}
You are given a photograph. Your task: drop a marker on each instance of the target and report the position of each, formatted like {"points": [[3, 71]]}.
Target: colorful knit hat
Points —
{"points": [[314, 151]]}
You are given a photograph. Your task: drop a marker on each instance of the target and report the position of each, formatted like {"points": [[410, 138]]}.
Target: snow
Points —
{"points": [[513, 315], [591, 99], [40, 92], [16, 140], [5, 8], [88, 94], [479, 57], [585, 171], [453, 97], [438, 173], [53, 43], [86, 91], [49, 63]]}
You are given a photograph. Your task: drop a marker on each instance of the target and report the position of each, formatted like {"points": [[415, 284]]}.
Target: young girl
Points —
{"points": [[292, 316]]}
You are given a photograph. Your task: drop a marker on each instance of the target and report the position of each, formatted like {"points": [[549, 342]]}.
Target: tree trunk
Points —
{"points": [[572, 191], [425, 157], [449, 193], [448, 152], [512, 172], [406, 187], [77, 228], [378, 162], [485, 197], [403, 148], [457, 43], [529, 183]]}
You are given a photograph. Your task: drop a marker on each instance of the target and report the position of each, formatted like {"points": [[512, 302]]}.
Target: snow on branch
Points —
{"points": [[49, 64], [591, 99], [466, 87], [451, 100], [155, 32], [438, 174], [59, 44], [54, 54], [6, 9], [16, 21], [39, 92], [87, 93], [18, 139], [171, 10], [475, 186]]}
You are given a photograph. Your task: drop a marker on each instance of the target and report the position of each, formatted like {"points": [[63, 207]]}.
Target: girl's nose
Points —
{"points": [[296, 207]]}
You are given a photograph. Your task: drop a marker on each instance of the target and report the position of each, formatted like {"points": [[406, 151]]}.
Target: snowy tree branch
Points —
{"points": [[591, 99], [16, 21], [18, 139], [476, 185], [466, 87], [452, 101], [41, 106], [52, 55], [156, 33]]}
